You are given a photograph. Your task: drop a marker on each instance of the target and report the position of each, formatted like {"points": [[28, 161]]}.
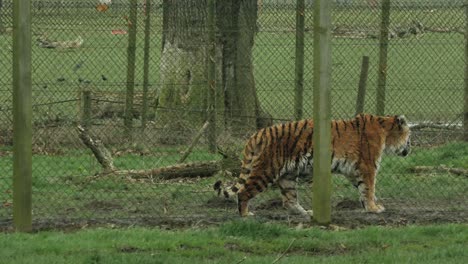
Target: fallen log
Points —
{"points": [[186, 170], [103, 156], [434, 126], [426, 169]]}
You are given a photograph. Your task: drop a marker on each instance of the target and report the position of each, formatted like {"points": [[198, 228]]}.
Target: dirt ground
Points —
{"points": [[346, 214]]}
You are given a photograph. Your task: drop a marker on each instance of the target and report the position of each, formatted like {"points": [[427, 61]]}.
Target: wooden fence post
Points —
{"points": [[86, 113], [361, 95], [22, 116], [2, 27], [212, 76], [131, 49], [383, 51], [146, 58], [321, 201], [465, 115], [299, 69]]}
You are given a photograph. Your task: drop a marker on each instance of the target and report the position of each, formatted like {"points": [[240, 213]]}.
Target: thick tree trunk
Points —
{"points": [[183, 91], [237, 20]]}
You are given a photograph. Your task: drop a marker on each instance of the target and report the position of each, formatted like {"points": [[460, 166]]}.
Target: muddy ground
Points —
{"points": [[346, 214]]}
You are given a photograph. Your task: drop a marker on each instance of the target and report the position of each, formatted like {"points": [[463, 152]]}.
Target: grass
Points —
{"points": [[233, 242], [427, 69], [425, 82], [61, 188]]}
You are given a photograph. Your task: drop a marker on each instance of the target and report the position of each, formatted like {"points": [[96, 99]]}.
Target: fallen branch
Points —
{"points": [[436, 126], [45, 42], [425, 169], [187, 170], [103, 156], [444, 30], [194, 142], [284, 253]]}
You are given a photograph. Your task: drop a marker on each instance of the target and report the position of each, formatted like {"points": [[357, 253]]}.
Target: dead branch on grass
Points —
{"points": [[194, 142], [435, 126], [284, 253], [426, 169], [187, 170], [102, 154]]}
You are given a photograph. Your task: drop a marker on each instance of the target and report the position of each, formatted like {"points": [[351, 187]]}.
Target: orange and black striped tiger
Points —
{"points": [[278, 154]]}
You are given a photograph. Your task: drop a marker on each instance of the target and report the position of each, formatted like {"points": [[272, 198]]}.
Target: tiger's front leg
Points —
{"points": [[288, 186], [366, 187]]}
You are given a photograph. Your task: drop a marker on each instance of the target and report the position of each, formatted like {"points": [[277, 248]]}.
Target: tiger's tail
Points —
{"points": [[226, 190], [231, 190]]}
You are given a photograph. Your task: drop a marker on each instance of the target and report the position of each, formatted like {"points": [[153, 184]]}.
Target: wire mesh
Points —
{"points": [[82, 47]]}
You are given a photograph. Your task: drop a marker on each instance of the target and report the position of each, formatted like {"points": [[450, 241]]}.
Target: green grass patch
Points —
{"points": [[234, 241], [62, 189], [427, 69]]}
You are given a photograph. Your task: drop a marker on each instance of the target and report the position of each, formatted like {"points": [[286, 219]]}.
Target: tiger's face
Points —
{"points": [[398, 136]]}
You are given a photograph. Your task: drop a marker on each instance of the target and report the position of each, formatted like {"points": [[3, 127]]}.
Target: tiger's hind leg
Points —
{"points": [[243, 198], [288, 186], [256, 183]]}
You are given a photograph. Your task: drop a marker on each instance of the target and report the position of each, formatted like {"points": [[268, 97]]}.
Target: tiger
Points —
{"points": [[280, 153]]}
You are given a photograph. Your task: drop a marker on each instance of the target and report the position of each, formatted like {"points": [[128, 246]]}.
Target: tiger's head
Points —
{"points": [[398, 135]]}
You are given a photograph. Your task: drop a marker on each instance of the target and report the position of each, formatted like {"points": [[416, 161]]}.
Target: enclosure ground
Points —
{"points": [[346, 214]]}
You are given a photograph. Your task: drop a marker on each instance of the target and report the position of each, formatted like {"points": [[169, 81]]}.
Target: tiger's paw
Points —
{"points": [[375, 208], [247, 214], [305, 214], [308, 215]]}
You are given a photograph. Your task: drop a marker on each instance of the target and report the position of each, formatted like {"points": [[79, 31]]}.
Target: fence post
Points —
{"points": [[362, 85], [2, 27], [321, 201], [146, 57], [300, 10], [211, 76], [383, 50], [22, 116], [132, 28], [86, 117], [465, 116]]}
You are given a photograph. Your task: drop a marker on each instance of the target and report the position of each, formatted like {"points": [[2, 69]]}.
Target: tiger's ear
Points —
{"points": [[401, 120]]}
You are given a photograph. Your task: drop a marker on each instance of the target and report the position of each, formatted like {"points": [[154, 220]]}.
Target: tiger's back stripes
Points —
{"points": [[277, 154]]}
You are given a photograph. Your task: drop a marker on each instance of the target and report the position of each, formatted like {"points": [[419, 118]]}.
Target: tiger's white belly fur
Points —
{"points": [[305, 167]]}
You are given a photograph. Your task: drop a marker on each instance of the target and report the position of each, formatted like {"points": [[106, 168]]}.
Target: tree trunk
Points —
{"points": [[183, 93], [237, 20]]}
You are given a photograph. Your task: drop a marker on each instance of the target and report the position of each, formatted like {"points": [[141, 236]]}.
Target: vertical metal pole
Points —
{"points": [[382, 74], [362, 85], [299, 69], [146, 58], [22, 116], [321, 201], [212, 76], [132, 29], [465, 116]]}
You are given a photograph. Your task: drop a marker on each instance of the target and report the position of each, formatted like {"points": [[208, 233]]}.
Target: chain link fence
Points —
{"points": [[144, 103]]}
